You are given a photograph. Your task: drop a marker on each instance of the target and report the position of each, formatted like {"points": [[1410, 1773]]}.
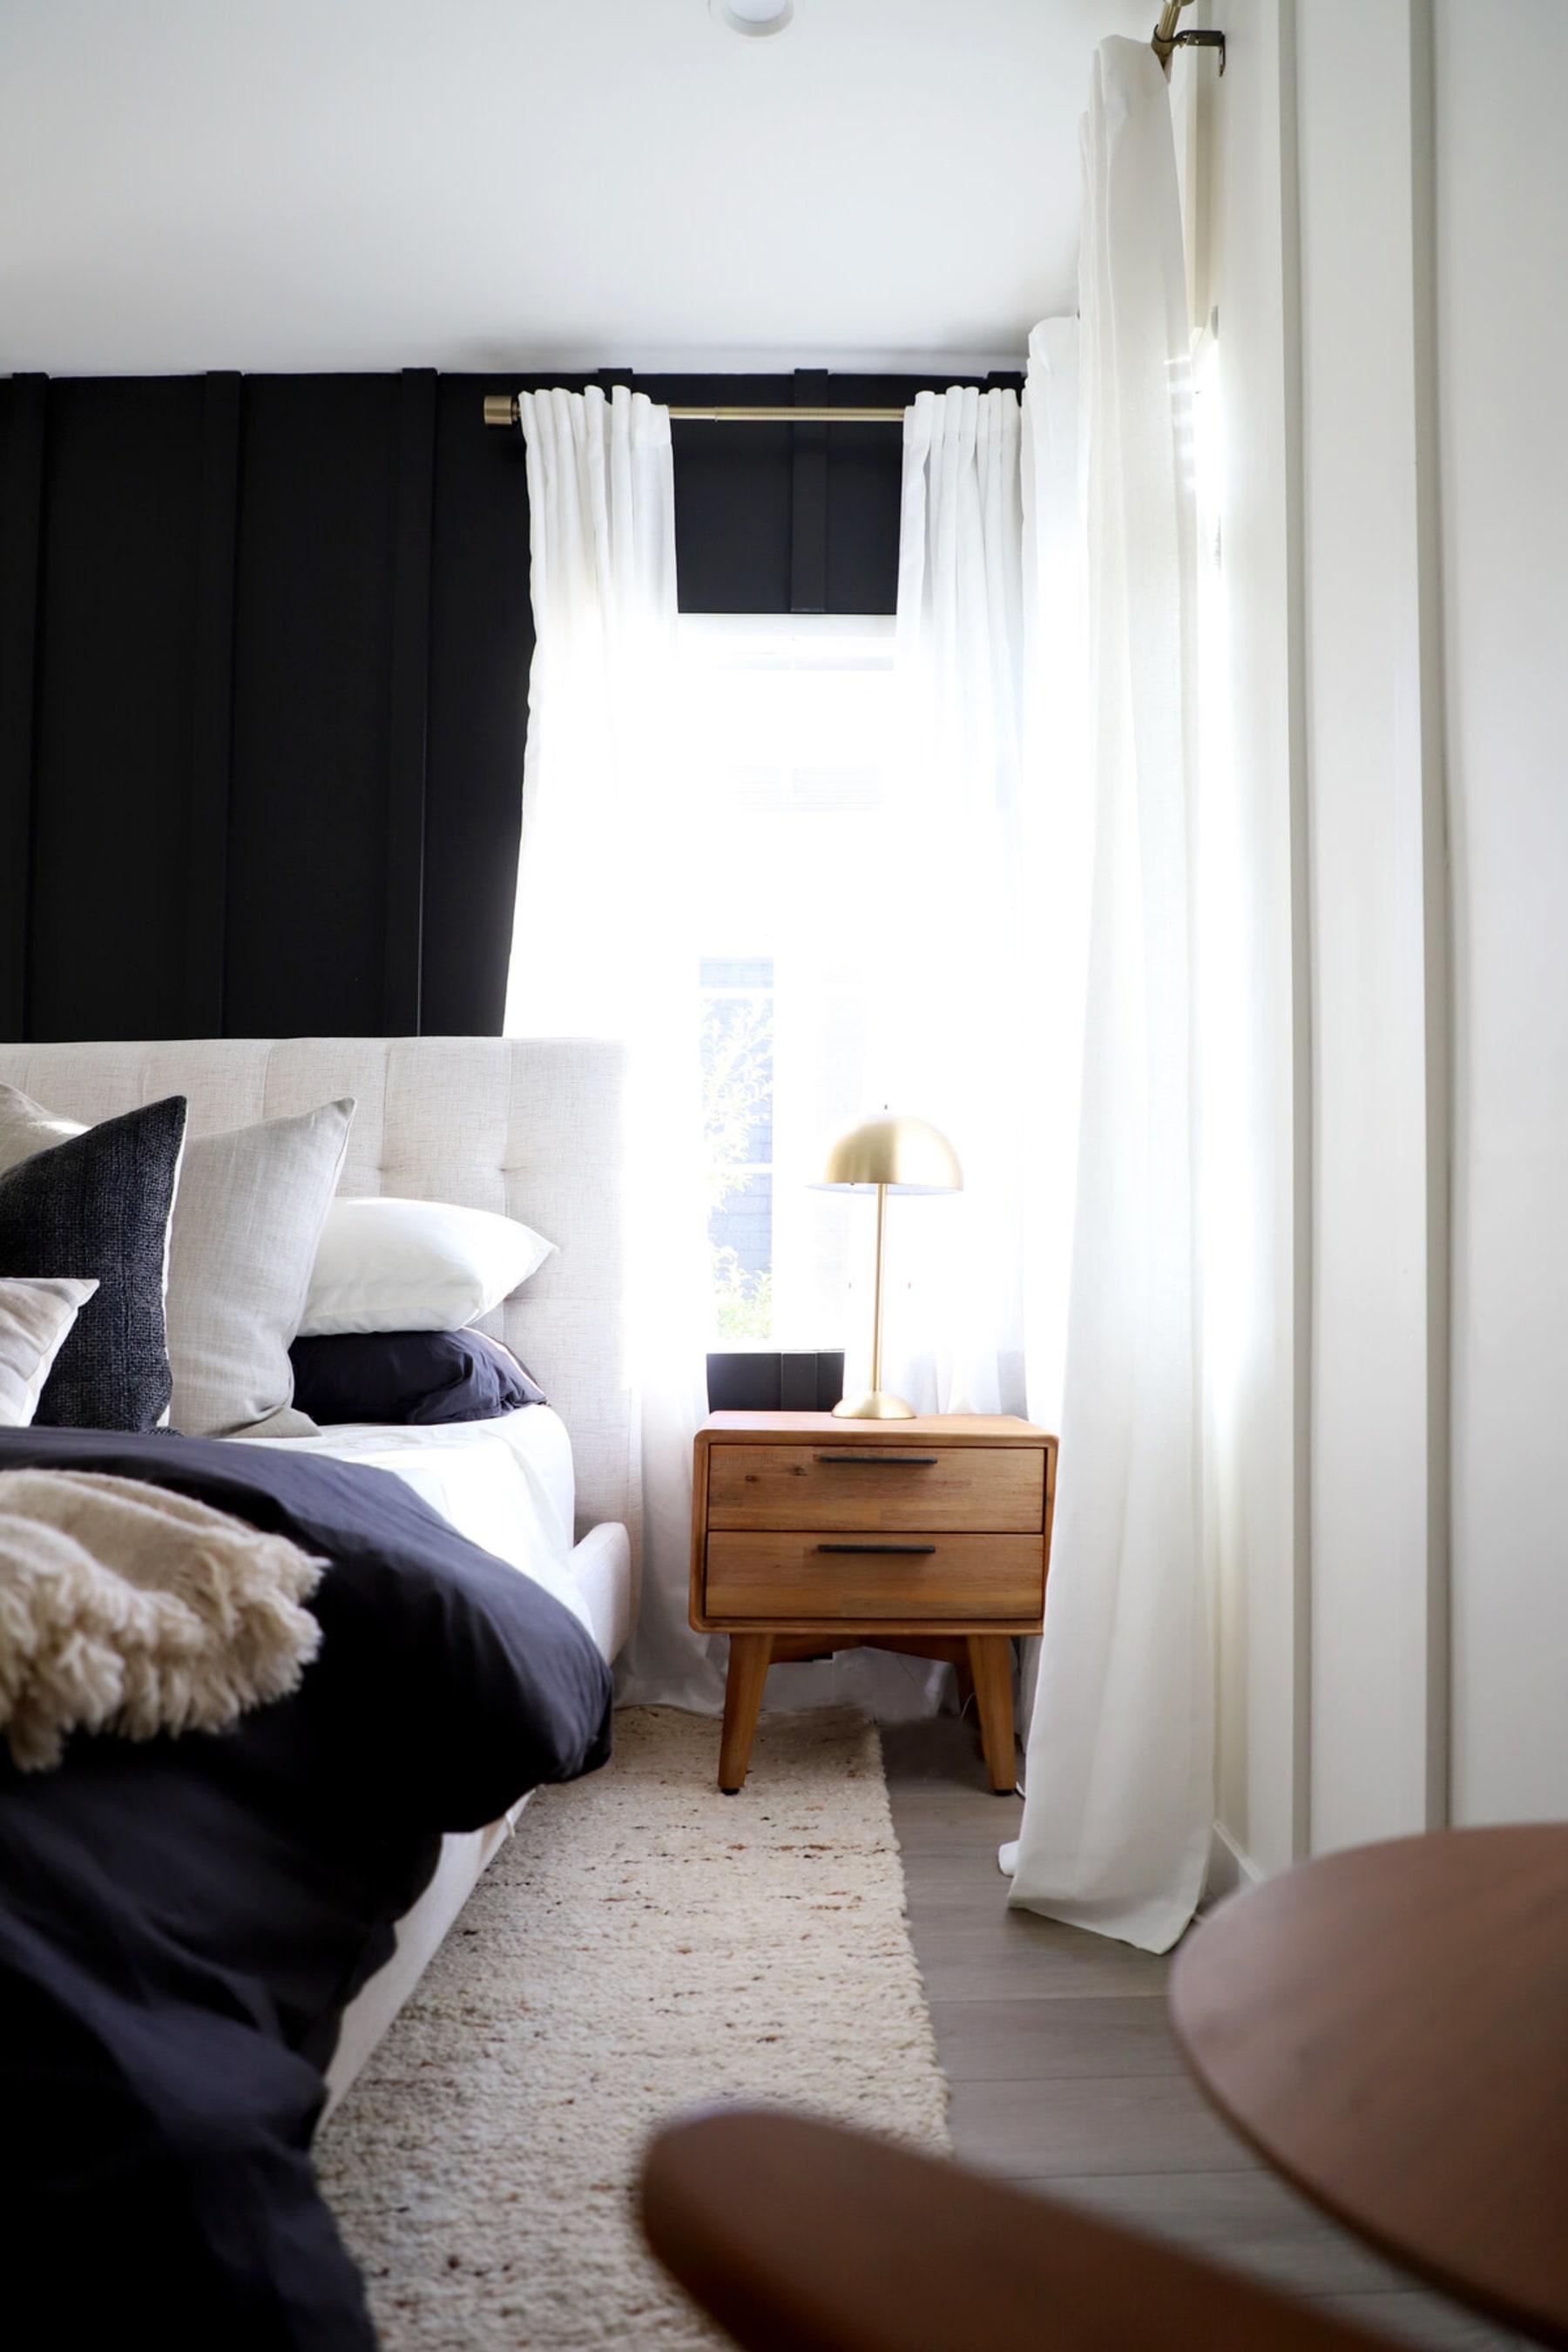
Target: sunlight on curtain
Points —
{"points": [[1232, 1297], [603, 927], [948, 1025], [1119, 1807], [808, 865], [1058, 833]]}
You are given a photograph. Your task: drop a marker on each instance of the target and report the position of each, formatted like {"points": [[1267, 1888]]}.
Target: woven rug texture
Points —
{"points": [[641, 1945]]}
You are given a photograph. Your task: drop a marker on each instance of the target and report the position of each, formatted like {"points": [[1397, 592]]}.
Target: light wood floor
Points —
{"points": [[1065, 2075]]}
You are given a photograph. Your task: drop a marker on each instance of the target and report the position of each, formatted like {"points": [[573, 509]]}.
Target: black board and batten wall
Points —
{"points": [[264, 649]]}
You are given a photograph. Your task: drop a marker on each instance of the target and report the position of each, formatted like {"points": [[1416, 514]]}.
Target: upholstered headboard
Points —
{"points": [[529, 1125]]}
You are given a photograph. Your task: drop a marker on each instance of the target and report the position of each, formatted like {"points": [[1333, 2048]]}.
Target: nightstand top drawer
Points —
{"points": [[832, 1486], [824, 1576]]}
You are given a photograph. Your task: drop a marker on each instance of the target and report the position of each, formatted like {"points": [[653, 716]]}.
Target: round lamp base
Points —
{"points": [[874, 1405]]}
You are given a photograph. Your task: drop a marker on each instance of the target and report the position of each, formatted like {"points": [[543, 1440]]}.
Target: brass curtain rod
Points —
{"points": [[502, 409]]}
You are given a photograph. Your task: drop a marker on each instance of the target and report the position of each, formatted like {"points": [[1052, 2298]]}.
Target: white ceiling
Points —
{"points": [[489, 183]]}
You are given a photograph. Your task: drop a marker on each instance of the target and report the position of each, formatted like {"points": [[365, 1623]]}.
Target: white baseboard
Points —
{"points": [[1230, 1867]]}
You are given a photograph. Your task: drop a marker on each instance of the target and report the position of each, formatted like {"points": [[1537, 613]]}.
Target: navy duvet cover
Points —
{"points": [[183, 1922]]}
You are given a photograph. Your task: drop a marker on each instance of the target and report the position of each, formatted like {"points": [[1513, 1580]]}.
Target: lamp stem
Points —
{"points": [[877, 1306]]}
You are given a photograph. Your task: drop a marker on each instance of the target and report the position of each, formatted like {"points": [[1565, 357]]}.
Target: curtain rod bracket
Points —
{"points": [[1166, 40], [1200, 39]]}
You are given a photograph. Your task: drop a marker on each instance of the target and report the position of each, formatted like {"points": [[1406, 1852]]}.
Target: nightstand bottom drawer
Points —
{"points": [[821, 1577]]}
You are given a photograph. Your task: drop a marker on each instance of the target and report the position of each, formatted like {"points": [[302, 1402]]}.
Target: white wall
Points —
{"points": [[1379, 1242], [1503, 250], [1389, 256], [1243, 135]]}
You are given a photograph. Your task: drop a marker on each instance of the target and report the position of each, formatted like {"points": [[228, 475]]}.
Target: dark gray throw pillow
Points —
{"points": [[97, 1208]]}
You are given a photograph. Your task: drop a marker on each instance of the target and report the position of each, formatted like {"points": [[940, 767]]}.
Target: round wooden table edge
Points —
{"points": [[1544, 1843]]}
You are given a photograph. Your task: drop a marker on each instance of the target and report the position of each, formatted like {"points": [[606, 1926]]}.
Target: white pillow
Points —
{"points": [[414, 1265]]}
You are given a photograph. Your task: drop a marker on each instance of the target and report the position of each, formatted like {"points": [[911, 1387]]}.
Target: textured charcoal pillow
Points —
{"points": [[247, 1218], [409, 1377], [35, 1318], [100, 1204]]}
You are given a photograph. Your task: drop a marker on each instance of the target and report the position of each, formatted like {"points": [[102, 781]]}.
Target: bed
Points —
{"points": [[528, 1127]]}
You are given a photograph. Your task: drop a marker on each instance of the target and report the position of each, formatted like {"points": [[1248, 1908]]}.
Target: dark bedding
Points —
{"points": [[182, 1923]]}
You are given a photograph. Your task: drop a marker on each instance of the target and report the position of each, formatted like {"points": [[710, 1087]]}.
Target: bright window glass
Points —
{"points": [[786, 727]]}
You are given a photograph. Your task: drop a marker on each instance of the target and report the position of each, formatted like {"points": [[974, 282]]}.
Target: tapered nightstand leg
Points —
{"points": [[750, 1654], [991, 1663]]}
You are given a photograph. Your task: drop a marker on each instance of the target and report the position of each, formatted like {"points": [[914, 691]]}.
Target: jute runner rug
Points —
{"points": [[643, 1945]]}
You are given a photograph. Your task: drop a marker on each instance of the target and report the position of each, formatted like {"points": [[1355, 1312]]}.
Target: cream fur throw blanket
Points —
{"points": [[126, 1608]]}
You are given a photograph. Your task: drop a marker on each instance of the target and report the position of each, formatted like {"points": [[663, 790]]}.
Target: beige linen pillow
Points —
{"points": [[247, 1216], [35, 1317], [26, 1127]]}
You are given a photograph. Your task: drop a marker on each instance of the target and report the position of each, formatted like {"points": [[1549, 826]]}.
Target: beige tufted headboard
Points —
{"points": [[529, 1125]]}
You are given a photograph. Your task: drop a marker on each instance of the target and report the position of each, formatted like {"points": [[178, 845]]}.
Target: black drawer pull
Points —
{"points": [[877, 1548], [904, 1461]]}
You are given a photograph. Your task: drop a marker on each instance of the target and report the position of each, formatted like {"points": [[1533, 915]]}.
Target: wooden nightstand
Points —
{"points": [[810, 1535]]}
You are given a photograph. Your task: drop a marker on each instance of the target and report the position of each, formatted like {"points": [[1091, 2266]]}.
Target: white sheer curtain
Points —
{"points": [[1119, 1807], [942, 1043], [1058, 834], [603, 938], [939, 957]]}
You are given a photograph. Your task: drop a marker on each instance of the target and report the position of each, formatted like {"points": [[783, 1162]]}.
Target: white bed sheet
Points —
{"points": [[506, 1484]]}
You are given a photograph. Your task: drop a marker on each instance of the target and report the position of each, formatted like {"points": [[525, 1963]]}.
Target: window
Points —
{"points": [[786, 722], [738, 1129]]}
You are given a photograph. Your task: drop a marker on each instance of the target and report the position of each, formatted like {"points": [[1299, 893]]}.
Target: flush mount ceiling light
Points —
{"points": [[755, 18]]}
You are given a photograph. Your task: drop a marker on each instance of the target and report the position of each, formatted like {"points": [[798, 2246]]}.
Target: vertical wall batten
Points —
{"points": [[21, 524], [1249, 275], [212, 708], [1438, 915], [316, 582], [1380, 1461], [1299, 865], [808, 499], [407, 745], [481, 644], [112, 712], [1436, 956]]}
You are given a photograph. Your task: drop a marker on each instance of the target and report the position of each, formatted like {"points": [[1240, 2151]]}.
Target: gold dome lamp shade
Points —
{"points": [[886, 1153]]}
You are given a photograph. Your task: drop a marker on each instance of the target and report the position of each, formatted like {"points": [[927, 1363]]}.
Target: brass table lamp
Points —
{"points": [[894, 1155]]}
